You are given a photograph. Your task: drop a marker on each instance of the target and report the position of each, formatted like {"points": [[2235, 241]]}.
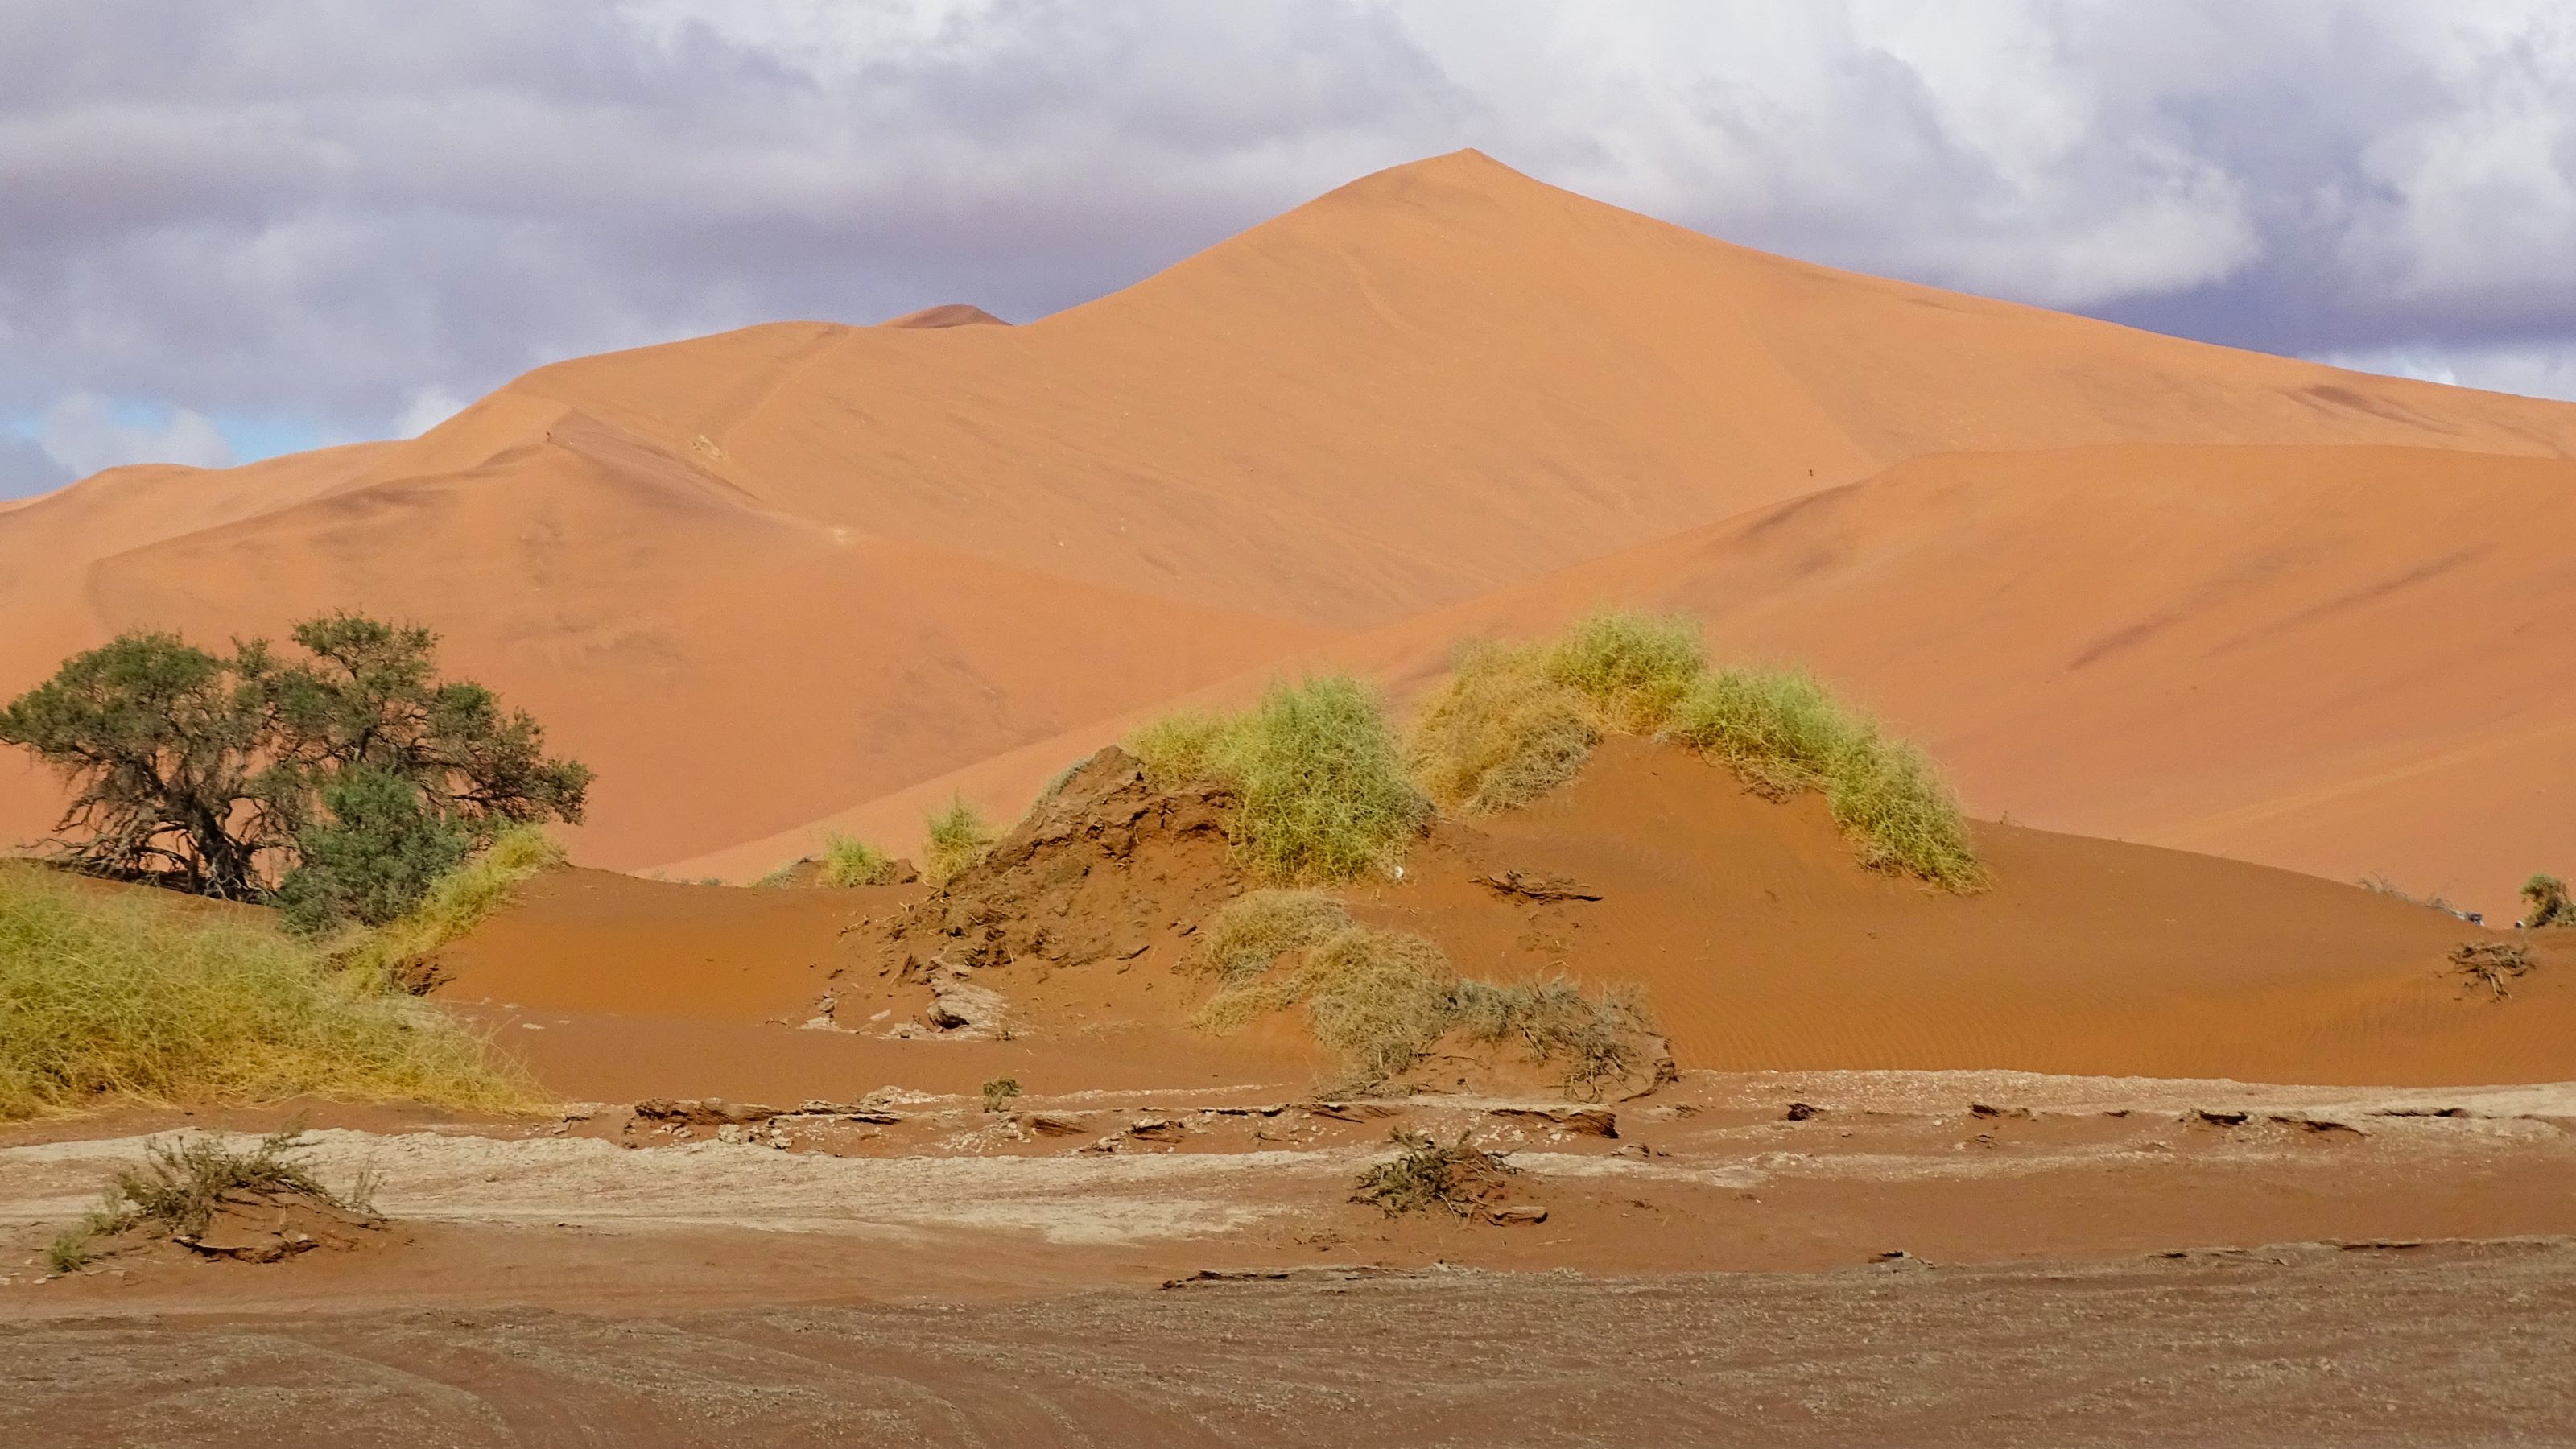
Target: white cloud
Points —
{"points": [[426, 409], [363, 213], [85, 432], [2530, 370]]}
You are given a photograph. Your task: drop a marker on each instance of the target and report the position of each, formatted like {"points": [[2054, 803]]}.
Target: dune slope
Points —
{"points": [[765, 576]]}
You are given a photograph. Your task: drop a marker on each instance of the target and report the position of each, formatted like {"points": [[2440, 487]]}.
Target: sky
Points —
{"points": [[230, 230]]}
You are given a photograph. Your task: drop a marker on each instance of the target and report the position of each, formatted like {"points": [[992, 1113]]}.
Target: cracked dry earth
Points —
{"points": [[1829, 1258]]}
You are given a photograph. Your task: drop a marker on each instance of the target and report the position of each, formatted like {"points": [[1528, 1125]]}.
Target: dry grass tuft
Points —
{"points": [[1634, 668], [1379, 999], [1783, 732], [1250, 933], [1500, 733], [1182, 749], [1513, 722], [397, 954], [849, 861], [106, 995], [953, 839]]}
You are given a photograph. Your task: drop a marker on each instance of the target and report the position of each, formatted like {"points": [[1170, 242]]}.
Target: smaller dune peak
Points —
{"points": [[947, 314]]}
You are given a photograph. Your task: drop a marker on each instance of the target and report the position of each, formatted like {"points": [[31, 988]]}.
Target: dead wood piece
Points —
{"points": [[1534, 887]]}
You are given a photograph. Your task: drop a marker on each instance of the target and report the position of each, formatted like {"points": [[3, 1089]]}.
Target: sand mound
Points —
{"points": [[1758, 941]]}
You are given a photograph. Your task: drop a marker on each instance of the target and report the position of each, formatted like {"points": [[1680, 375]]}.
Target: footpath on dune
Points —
{"points": [[758, 577]]}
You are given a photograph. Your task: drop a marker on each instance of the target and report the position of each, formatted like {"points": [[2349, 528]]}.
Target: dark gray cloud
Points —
{"points": [[356, 216]]}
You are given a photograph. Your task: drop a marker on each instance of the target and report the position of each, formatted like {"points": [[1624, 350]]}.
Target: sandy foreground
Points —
{"points": [[1831, 1257]]}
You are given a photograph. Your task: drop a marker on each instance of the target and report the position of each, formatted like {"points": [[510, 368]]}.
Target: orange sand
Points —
{"points": [[776, 575]]}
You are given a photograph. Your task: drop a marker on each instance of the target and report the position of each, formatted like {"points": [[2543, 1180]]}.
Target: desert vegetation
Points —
{"points": [[1321, 790], [396, 955], [1515, 721], [179, 1186], [2545, 903], [1455, 1177], [953, 838], [1379, 999], [118, 992], [338, 784], [849, 861]]}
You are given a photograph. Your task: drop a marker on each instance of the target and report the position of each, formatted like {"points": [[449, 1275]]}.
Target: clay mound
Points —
{"points": [[948, 314], [1762, 945], [1101, 871]]}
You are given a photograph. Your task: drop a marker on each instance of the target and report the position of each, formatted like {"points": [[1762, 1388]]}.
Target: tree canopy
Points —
{"points": [[351, 763]]}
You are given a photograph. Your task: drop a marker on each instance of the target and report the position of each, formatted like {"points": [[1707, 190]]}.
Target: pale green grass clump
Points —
{"points": [[398, 952], [1633, 668], [849, 861], [1378, 999], [1320, 788], [1783, 732], [1182, 748], [953, 839], [121, 994]]}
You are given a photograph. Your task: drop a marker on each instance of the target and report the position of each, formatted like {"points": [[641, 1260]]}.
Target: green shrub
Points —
{"points": [[780, 876], [955, 838], [372, 859], [397, 954], [1320, 788], [1633, 667], [1500, 733], [850, 861], [1782, 732], [999, 1091], [149, 998]]}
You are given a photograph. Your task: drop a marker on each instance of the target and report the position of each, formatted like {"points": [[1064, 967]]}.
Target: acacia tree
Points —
{"points": [[228, 773]]}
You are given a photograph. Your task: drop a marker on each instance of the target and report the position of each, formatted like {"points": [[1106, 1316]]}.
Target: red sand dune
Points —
{"points": [[768, 576]]}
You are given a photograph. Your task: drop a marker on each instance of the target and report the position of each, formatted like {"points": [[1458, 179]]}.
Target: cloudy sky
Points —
{"points": [[229, 230]]}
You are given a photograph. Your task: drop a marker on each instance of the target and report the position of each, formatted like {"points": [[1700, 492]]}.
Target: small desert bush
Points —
{"points": [[397, 954], [178, 1186], [1501, 732], [849, 861], [1426, 1173], [1378, 999], [953, 839], [999, 1091], [781, 876], [126, 994], [1320, 787], [1632, 667], [1782, 732], [2545, 899]]}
